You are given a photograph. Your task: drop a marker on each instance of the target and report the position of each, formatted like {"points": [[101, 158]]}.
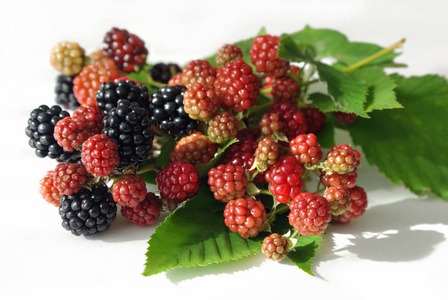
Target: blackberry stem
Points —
{"points": [[374, 56]]}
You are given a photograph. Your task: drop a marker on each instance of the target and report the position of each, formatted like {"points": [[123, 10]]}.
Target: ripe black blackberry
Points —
{"points": [[166, 110], [88, 211], [40, 131], [129, 127], [164, 72], [110, 92], [64, 92]]}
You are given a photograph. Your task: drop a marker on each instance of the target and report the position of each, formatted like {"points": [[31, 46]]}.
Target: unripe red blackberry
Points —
{"points": [[67, 58], [358, 198], [263, 54], [314, 119], [98, 55], [237, 86], [248, 134], [178, 181], [198, 71], [87, 82], [126, 49], [48, 191], [270, 124], [145, 213], [285, 179], [349, 148], [246, 216], [176, 80], [345, 118], [201, 102], [227, 182], [292, 119], [347, 180], [306, 148], [69, 178], [129, 190], [242, 153], [222, 128], [266, 154], [275, 247], [341, 161], [91, 116], [227, 53], [338, 198], [70, 133], [285, 89], [194, 148], [100, 155], [310, 214]]}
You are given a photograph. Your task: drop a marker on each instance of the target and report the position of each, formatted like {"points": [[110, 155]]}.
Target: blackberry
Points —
{"points": [[129, 127], [166, 110], [126, 49], [110, 92], [40, 131], [164, 72], [88, 211], [64, 92]]}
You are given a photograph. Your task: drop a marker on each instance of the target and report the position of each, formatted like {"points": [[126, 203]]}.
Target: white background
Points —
{"points": [[399, 249]]}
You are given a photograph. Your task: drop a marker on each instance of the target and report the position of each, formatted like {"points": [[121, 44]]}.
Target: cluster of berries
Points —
{"points": [[102, 146]]}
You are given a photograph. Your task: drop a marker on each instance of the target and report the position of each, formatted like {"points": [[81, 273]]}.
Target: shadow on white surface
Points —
{"points": [[403, 231], [122, 230]]}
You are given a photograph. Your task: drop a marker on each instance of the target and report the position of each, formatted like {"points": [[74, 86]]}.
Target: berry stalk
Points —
{"points": [[374, 56]]}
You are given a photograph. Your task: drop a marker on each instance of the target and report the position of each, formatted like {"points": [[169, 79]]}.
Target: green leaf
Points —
{"points": [[305, 251], [149, 177], [348, 93], [195, 235], [204, 168], [331, 43], [292, 50], [164, 157], [381, 89], [409, 145], [323, 102], [326, 137]]}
